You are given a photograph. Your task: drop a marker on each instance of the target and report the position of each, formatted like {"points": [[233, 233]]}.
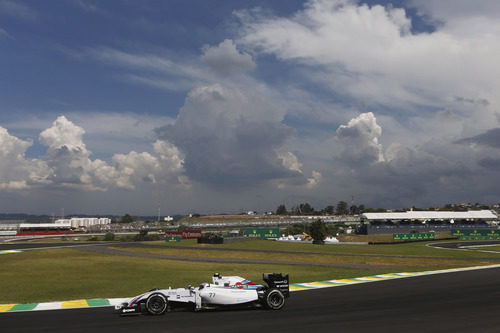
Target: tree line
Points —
{"points": [[342, 208]]}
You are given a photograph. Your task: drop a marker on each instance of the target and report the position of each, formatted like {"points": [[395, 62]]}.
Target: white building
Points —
{"points": [[470, 215], [84, 222]]}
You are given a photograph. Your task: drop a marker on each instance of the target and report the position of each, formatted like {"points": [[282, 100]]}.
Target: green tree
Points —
{"points": [[295, 229], [329, 210], [127, 219], [447, 207], [318, 232], [281, 210], [361, 209], [342, 208], [354, 209], [306, 209]]}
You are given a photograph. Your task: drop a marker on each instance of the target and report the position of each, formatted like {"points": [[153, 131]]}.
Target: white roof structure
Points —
{"points": [[432, 215], [45, 225]]}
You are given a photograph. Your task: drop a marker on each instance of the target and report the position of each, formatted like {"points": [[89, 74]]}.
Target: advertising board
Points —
{"points": [[476, 234], [263, 232], [414, 237], [170, 239], [184, 234]]}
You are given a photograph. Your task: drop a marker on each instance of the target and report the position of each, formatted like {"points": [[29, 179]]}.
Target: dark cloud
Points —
{"points": [[490, 138], [228, 140], [473, 101], [243, 156], [490, 163], [414, 177], [62, 163]]}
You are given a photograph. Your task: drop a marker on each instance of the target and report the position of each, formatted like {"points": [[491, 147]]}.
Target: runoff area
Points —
{"points": [[95, 270]]}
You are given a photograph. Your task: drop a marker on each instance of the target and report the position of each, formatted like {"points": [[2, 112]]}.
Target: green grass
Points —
{"points": [[407, 249], [326, 258], [65, 274]]}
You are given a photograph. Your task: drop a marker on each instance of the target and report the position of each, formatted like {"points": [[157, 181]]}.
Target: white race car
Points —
{"points": [[224, 291]]}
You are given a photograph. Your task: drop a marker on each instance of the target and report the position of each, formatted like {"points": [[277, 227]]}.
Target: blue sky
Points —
{"points": [[42, 36], [227, 106]]}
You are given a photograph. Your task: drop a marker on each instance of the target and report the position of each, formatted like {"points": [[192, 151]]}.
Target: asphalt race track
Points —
{"points": [[458, 244], [453, 302]]}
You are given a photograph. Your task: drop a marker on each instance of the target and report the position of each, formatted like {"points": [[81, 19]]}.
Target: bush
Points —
{"points": [[141, 236], [109, 236], [127, 238]]}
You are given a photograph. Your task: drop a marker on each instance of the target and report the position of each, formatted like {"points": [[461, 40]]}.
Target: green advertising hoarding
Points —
{"points": [[475, 234], [263, 232], [414, 237], [169, 239]]}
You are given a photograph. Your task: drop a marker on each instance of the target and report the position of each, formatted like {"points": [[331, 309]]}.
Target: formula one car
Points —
{"points": [[224, 291]]}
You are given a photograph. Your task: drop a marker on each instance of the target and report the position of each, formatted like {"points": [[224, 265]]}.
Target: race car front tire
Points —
{"points": [[274, 299], [156, 304]]}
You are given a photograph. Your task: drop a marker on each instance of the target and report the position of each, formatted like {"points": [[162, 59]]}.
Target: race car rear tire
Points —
{"points": [[274, 299], [156, 304]]}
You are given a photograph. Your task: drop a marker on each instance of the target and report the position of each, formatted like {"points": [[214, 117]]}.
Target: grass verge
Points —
{"points": [[407, 249], [313, 258], [65, 274]]}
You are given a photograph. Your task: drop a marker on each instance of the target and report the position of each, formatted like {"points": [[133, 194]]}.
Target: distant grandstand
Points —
{"points": [[397, 222]]}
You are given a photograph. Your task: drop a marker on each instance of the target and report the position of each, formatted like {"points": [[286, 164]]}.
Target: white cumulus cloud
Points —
{"points": [[226, 59], [359, 139], [68, 163], [16, 171], [371, 54], [164, 166]]}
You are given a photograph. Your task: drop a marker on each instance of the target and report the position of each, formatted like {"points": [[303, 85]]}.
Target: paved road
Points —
{"points": [[454, 302]]}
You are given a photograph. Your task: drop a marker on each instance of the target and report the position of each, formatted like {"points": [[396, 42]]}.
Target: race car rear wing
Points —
{"points": [[278, 281]]}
